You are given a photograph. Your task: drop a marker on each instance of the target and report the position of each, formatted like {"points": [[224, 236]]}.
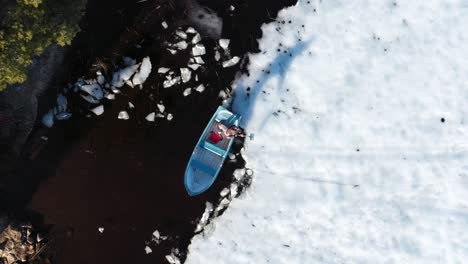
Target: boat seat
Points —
{"points": [[203, 167], [216, 150]]}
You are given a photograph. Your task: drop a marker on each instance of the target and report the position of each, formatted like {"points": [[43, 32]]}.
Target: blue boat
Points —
{"points": [[209, 155]]}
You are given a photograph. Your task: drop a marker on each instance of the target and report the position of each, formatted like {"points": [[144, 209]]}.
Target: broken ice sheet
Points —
{"points": [[199, 60], [98, 110], [181, 45], [145, 70], [191, 30], [196, 39], [231, 62], [224, 43], [161, 107], [194, 66], [63, 116], [94, 90], [163, 70], [217, 56], [150, 117], [186, 74], [123, 115], [171, 82], [198, 50], [48, 119], [148, 250], [181, 34]]}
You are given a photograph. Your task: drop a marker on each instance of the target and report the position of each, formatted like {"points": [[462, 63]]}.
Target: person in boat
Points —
{"points": [[232, 131]]}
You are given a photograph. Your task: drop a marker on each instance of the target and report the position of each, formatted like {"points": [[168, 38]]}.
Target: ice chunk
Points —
{"points": [[181, 34], [159, 115], [232, 156], [170, 117], [164, 24], [187, 91], [172, 51], [224, 192], [90, 99], [232, 8], [200, 88], [204, 219], [222, 94], [239, 174], [234, 188], [145, 70], [171, 82], [93, 90], [223, 204], [199, 60], [181, 45], [172, 259], [186, 74], [163, 70], [231, 62], [156, 234], [123, 115], [62, 102], [191, 30], [101, 79], [194, 66], [196, 38], [98, 110], [150, 117], [63, 116], [249, 172], [101, 230], [198, 50], [48, 119], [217, 56], [161, 108], [119, 77], [130, 105], [148, 250], [110, 96], [224, 43]]}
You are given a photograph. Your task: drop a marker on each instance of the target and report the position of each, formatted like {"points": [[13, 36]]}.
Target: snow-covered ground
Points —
{"points": [[360, 146]]}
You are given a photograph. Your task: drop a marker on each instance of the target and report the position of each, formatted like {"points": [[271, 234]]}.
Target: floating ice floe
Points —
{"points": [[93, 90], [130, 105], [181, 45], [129, 61], [181, 34], [101, 79], [186, 74], [232, 8], [199, 60], [200, 88], [249, 172], [205, 217], [150, 117], [198, 50], [194, 66], [187, 91], [161, 108], [164, 24], [196, 38], [224, 43], [163, 70], [110, 96], [231, 62], [62, 102], [172, 51], [145, 70], [63, 116], [98, 110], [217, 56], [123, 115], [232, 156], [224, 192], [170, 117], [48, 119], [119, 77], [223, 204], [173, 259], [148, 250], [101, 230], [239, 174], [191, 30], [234, 189], [171, 82], [222, 94]]}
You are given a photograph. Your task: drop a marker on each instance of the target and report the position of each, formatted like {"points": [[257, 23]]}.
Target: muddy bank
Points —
{"points": [[127, 176]]}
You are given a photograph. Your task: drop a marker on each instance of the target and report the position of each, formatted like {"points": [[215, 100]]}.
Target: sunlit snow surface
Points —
{"points": [[352, 162]]}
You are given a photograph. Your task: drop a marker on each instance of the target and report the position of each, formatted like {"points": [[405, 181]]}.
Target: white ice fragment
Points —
{"points": [[217, 56], [191, 30], [62, 102], [130, 105], [101, 79], [194, 66], [148, 250], [234, 188], [48, 119], [239, 174], [129, 83], [90, 99], [110, 96], [123, 115], [91, 81], [93, 90], [186, 74], [172, 51], [224, 192], [159, 115], [98, 110], [200, 88], [150, 117], [249, 172], [196, 77], [187, 91], [163, 70], [196, 38], [223, 204], [164, 24], [170, 117], [145, 70], [63, 116], [119, 77], [199, 60], [181, 45], [161, 108], [232, 8], [198, 50], [156, 234], [231, 62], [101, 230], [98, 73], [205, 217], [172, 259], [222, 94], [224, 43], [181, 34], [171, 82], [232, 156]]}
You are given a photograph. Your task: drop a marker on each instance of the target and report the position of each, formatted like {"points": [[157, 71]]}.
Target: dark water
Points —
{"points": [[126, 176]]}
